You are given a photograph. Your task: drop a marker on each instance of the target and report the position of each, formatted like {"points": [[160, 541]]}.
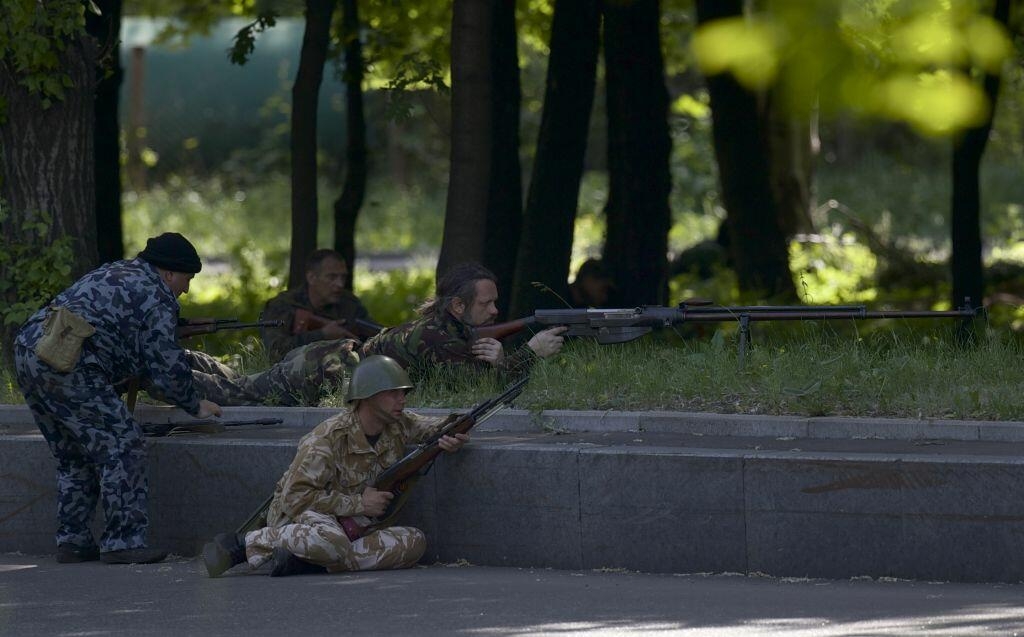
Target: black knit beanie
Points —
{"points": [[173, 252]]}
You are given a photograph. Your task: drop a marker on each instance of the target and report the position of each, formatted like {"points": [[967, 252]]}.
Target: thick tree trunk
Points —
{"points": [[966, 261], [756, 239], [505, 195], [346, 208], [638, 214], [305, 98], [47, 188], [545, 246], [106, 28], [465, 219]]}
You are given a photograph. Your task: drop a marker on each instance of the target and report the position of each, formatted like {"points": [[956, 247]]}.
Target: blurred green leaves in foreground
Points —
{"points": [[912, 61]]}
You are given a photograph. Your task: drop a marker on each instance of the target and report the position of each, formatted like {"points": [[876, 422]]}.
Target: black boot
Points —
{"points": [[141, 555], [71, 554], [226, 550], [287, 564]]}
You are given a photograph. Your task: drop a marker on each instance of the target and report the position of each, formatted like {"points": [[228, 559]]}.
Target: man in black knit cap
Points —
{"points": [[115, 322]]}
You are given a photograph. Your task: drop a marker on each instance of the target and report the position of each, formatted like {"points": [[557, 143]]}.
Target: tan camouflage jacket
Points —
{"points": [[434, 340], [335, 463]]}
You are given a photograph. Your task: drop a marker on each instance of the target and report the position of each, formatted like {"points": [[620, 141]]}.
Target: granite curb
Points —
{"points": [[647, 491], [699, 423]]}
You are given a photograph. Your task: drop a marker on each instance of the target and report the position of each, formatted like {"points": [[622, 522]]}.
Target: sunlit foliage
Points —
{"points": [[906, 60]]}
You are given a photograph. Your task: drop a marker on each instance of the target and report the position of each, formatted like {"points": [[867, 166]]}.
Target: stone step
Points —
{"points": [[646, 491]]}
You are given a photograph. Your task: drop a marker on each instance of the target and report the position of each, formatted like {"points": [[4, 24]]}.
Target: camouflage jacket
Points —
{"points": [[438, 339], [135, 315], [278, 341], [335, 463]]}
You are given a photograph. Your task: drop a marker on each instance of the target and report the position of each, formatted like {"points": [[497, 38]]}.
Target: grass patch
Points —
{"points": [[9, 392], [806, 369], [813, 371]]}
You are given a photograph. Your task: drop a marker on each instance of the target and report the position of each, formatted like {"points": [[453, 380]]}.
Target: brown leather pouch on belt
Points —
{"points": [[63, 335]]}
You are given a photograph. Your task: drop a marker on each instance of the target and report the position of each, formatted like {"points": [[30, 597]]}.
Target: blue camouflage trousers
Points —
{"points": [[99, 448]]}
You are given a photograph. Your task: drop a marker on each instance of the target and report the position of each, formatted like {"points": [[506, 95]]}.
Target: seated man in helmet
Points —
{"points": [[330, 477]]}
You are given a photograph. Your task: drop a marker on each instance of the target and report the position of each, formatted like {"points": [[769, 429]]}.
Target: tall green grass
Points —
{"points": [[810, 369], [813, 371]]}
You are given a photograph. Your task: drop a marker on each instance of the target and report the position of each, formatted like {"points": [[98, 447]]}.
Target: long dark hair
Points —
{"points": [[457, 283]]}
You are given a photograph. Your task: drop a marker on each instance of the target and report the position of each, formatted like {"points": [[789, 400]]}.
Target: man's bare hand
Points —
{"points": [[207, 409], [375, 502], [488, 350], [451, 444], [548, 342], [335, 330]]}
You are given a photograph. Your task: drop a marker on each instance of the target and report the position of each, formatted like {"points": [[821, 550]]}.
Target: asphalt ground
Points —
{"points": [[40, 597]]}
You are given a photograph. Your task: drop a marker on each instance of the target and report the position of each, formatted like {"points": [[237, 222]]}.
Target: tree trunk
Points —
{"points": [[47, 188], [545, 245], [756, 239], [638, 214], [465, 220], [305, 98], [792, 153], [966, 261], [504, 208], [106, 28], [346, 208]]}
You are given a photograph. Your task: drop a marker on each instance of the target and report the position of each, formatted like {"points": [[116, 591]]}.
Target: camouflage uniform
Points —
{"points": [[333, 465], [280, 340], [438, 339], [99, 447], [302, 378]]}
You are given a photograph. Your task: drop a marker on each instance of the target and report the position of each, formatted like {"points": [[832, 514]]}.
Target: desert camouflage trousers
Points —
{"points": [[100, 453], [319, 539]]}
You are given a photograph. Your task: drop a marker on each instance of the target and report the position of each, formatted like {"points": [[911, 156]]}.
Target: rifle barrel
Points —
{"points": [[824, 315], [185, 322], [757, 309]]}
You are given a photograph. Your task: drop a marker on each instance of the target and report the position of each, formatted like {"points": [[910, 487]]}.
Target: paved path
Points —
{"points": [[40, 597]]}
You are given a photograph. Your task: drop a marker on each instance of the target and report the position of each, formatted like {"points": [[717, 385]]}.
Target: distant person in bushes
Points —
{"points": [[592, 286], [118, 320], [443, 335], [321, 309]]}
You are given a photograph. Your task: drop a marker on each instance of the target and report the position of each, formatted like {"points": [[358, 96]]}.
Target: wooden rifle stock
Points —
{"points": [[499, 331], [307, 321], [400, 477]]}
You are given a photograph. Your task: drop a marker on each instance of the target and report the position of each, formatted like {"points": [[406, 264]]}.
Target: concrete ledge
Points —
{"points": [[649, 491], [696, 423]]}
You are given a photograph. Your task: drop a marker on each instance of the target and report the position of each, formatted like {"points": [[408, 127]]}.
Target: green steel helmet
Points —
{"points": [[376, 374]]}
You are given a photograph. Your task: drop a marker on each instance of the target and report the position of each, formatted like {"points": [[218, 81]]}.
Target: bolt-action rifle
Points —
{"points": [[360, 329], [208, 426], [621, 325], [188, 328], [400, 477]]}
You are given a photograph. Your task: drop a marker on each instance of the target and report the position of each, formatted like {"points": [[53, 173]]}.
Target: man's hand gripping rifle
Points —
{"points": [[400, 477]]}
